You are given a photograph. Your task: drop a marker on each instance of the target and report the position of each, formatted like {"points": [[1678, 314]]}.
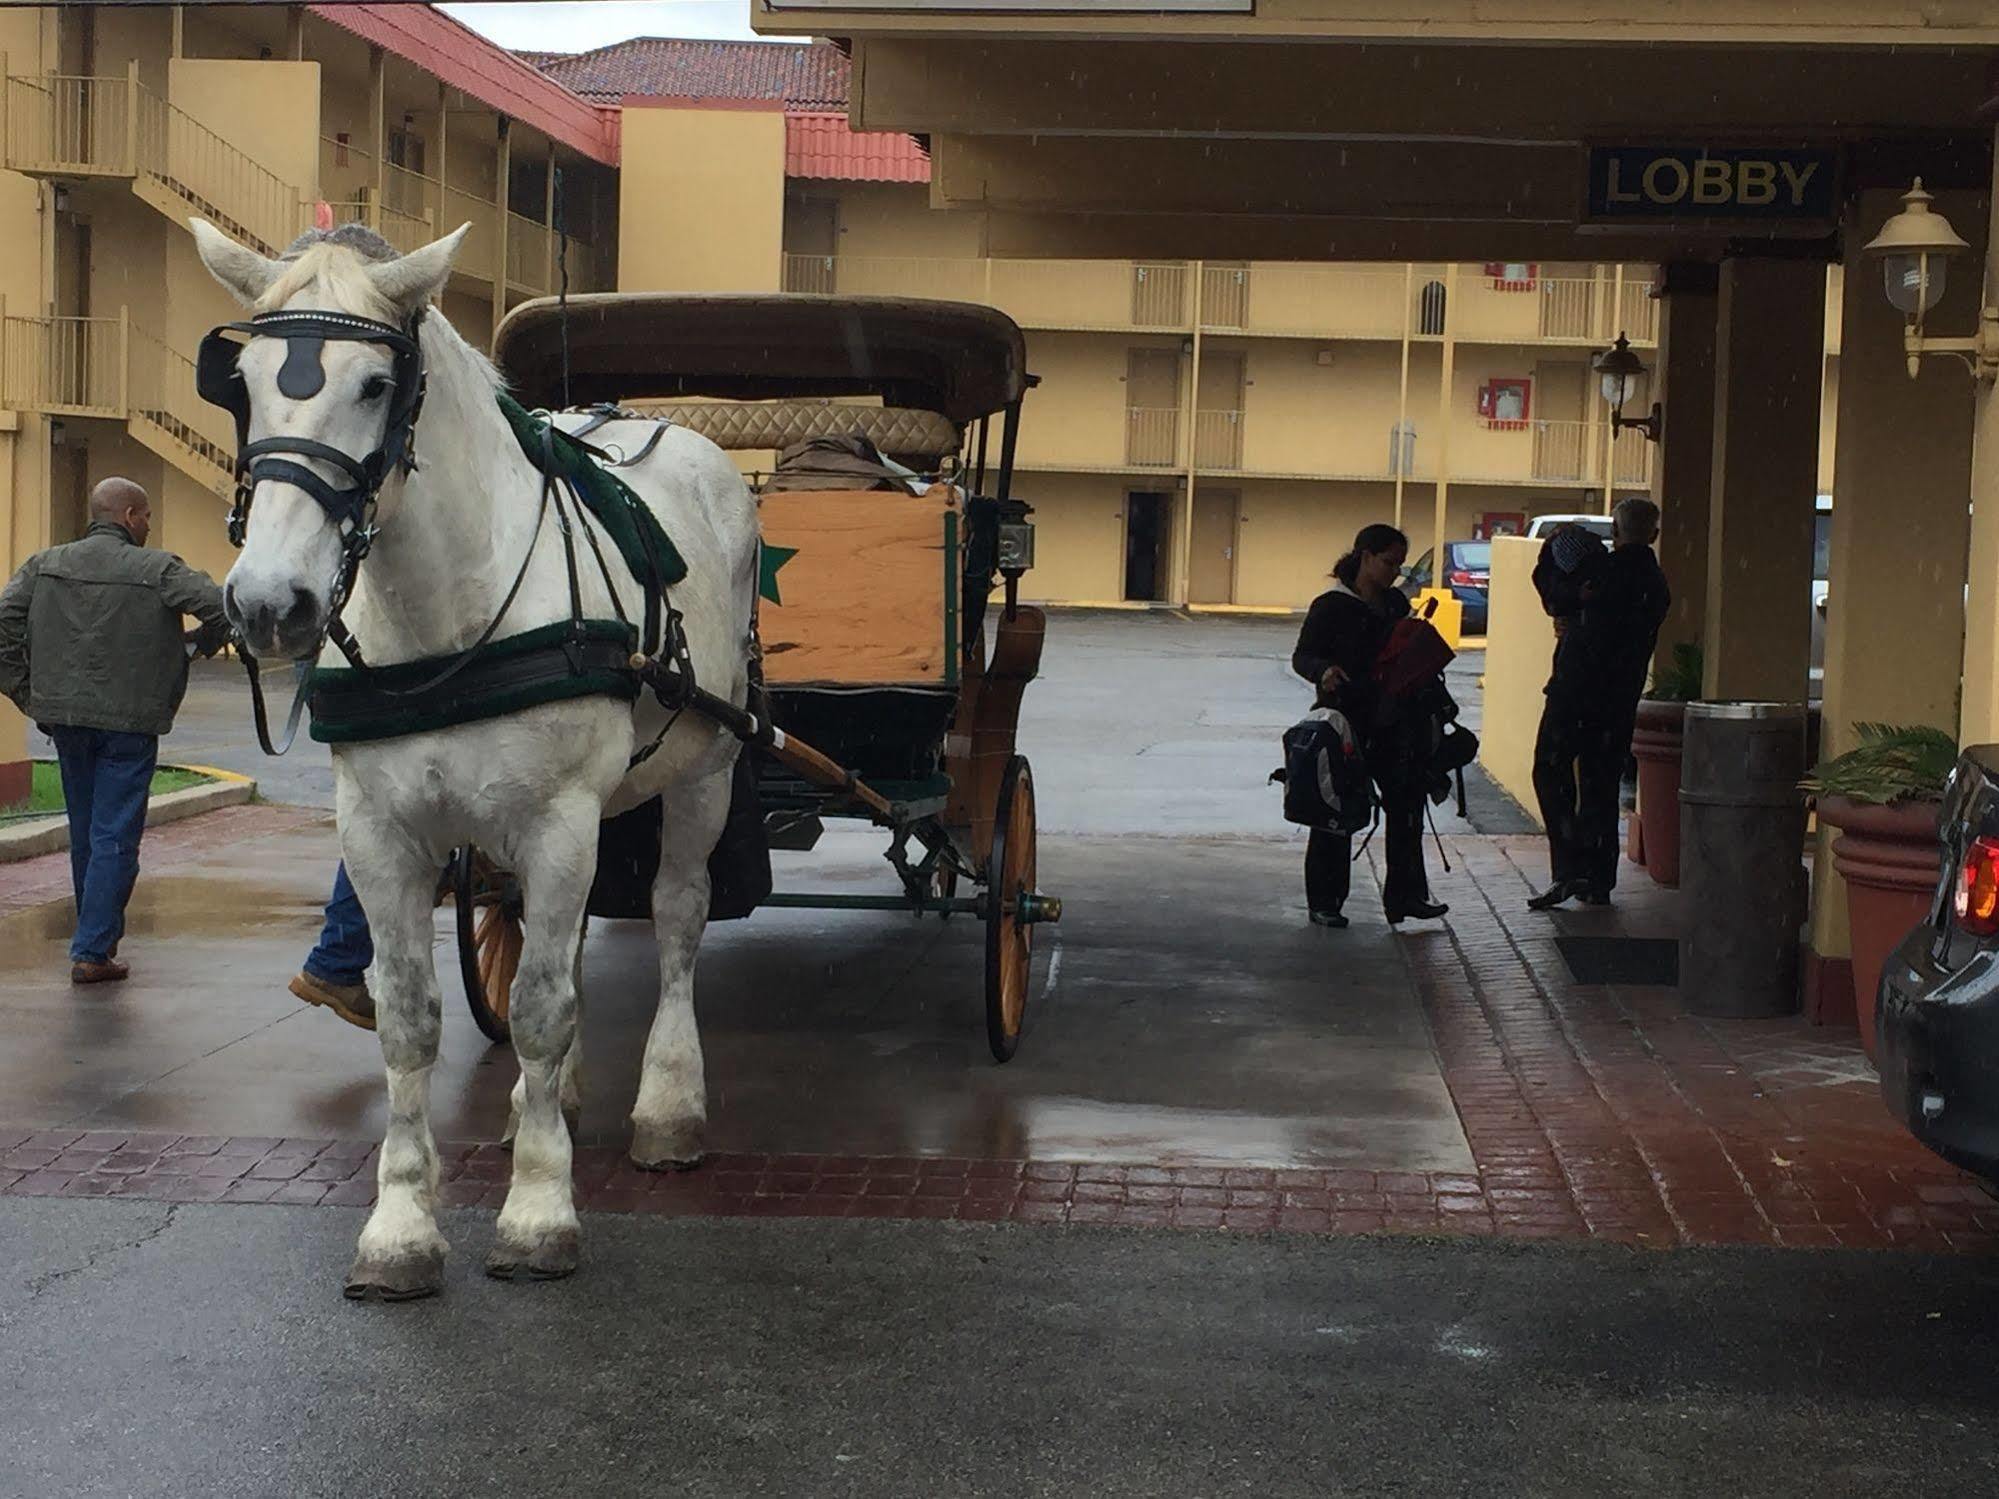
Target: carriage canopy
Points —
{"points": [[958, 359]]}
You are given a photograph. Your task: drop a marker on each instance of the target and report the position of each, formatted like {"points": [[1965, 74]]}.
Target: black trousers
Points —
{"points": [[1579, 759], [1329, 860]]}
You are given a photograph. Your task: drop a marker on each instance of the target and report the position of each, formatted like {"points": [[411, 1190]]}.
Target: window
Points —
{"points": [[1430, 310], [340, 143], [406, 150], [1506, 404], [1512, 275]]}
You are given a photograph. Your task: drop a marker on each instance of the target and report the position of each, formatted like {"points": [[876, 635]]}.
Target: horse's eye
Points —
{"points": [[374, 387]]}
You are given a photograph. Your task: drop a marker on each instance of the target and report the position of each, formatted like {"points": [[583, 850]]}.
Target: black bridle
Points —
{"points": [[350, 508]]}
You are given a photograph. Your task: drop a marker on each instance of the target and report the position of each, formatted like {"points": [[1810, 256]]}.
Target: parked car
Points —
{"points": [[1467, 573], [1596, 525], [1937, 1020]]}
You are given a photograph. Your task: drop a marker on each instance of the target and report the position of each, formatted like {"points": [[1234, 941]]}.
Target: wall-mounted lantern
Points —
{"points": [[1618, 373], [1916, 247]]}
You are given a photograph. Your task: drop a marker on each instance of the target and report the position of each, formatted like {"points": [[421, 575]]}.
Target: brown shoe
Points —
{"points": [[351, 1002], [92, 971]]}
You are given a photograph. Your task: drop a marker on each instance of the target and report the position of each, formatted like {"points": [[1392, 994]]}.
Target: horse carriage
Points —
{"points": [[890, 673]]}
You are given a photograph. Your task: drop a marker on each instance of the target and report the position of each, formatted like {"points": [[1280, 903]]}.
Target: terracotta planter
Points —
{"points": [[1890, 858], [1655, 744]]}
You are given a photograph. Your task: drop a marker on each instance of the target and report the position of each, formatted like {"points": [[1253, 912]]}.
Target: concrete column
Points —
{"points": [[1979, 716], [1900, 535], [1683, 468], [1769, 361]]}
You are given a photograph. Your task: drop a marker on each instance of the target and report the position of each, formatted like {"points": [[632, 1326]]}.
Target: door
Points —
{"points": [[811, 238], [1211, 572], [1218, 412], [1147, 529], [1152, 402], [1561, 433]]}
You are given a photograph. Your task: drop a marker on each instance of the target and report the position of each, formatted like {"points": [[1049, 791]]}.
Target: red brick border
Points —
{"points": [[1522, 1196]]}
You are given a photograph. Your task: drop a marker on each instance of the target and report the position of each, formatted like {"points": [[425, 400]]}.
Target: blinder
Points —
{"points": [[219, 381]]}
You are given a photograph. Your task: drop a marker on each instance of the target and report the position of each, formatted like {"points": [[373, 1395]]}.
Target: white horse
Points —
{"points": [[530, 787]]}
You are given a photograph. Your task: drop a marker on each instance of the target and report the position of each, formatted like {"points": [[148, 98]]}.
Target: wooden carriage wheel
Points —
{"points": [[489, 906], [1010, 915]]}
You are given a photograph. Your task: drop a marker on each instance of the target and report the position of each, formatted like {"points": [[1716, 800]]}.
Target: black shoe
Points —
{"points": [[1424, 911], [1596, 895], [1332, 919], [1559, 893]]}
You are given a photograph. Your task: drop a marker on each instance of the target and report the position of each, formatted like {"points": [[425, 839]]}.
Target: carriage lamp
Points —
{"points": [[1619, 371], [1916, 248]]}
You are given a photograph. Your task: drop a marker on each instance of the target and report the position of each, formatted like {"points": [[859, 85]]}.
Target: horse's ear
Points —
{"points": [[411, 280], [244, 273]]}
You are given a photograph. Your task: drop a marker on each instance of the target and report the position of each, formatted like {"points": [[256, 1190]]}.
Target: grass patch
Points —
{"points": [[45, 791]]}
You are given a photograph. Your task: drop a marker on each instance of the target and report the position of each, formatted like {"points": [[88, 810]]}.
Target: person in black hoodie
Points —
{"points": [[1342, 636], [1607, 610]]}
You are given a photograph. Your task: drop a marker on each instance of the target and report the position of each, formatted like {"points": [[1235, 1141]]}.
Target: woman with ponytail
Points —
{"points": [[1337, 648]]}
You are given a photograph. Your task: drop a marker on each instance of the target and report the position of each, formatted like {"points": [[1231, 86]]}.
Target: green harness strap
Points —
{"points": [[622, 514], [547, 664]]}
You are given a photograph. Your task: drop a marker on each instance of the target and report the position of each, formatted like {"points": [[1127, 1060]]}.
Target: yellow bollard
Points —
{"points": [[1448, 617]]}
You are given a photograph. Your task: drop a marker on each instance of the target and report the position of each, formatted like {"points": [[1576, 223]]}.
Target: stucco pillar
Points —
{"points": [[1683, 467], [1901, 471], [1978, 721], [1769, 362]]}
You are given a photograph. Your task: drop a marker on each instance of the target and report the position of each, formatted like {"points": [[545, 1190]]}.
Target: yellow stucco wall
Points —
{"points": [[701, 200], [1516, 669], [1078, 535], [268, 110]]}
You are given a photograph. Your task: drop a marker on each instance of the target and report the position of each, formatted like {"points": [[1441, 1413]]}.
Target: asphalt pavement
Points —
{"points": [[205, 1351]]}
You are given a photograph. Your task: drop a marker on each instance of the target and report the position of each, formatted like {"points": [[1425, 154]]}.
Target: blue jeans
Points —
{"points": [[105, 778], [345, 949]]}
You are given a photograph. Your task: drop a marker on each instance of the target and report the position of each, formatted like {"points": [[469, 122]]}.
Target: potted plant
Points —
{"points": [[1884, 795], [1655, 744]]}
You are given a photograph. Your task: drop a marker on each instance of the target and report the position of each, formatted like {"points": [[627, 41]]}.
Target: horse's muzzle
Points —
{"points": [[278, 620]]}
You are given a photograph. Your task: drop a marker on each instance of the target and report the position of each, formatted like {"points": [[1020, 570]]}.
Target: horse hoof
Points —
{"points": [[403, 1277], [677, 1148], [554, 1256]]}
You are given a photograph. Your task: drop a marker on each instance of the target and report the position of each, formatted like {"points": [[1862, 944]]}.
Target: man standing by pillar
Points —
{"points": [[1601, 662], [91, 648]]}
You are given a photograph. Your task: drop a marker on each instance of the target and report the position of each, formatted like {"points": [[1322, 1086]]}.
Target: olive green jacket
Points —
{"points": [[91, 634]]}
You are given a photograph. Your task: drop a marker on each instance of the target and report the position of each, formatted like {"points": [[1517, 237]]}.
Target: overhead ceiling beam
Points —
{"points": [[1125, 236], [1748, 23], [996, 86]]}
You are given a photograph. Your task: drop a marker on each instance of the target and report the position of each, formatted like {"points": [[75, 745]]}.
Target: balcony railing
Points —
{"points": [[63, 366], [1278, 299], [72, 126], [163, 397], [1218, 439], [1564, 309], [528, 253], [1152, 436], [1573, 453]]}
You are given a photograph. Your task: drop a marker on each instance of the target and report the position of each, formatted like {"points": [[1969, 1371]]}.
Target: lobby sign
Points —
{"points": [[1731, 187]]}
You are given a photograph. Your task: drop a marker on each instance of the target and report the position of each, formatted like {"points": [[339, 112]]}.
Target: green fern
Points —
{"points": [[1680, 682], [1889, 764]]}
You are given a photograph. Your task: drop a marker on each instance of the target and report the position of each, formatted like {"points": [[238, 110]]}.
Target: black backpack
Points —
{"points": [[1326, 782]]}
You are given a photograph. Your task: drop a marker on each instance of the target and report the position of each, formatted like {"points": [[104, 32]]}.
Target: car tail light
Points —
{"points": [[1978, 889], [1462, 579]]}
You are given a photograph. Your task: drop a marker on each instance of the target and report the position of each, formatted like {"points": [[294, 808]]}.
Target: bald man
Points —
{"points": [[92, 649]]}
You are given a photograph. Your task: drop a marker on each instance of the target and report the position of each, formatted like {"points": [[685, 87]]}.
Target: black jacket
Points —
{"points": [[1342, 630], [1603, 659]]}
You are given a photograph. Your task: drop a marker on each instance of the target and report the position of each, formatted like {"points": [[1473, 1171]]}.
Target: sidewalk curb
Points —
{"points": [[52, 836]]}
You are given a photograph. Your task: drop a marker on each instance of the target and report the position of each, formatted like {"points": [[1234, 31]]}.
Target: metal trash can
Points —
{"points": [[1744, 894]]}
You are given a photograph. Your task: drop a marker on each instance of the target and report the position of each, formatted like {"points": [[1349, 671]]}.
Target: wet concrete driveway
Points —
{"points": [[1184, 1012]]}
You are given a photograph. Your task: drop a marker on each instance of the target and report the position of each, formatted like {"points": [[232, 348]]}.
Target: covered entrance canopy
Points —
{"points": [[1741, 145]]}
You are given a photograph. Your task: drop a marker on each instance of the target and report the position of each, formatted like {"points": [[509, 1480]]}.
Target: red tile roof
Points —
{"points": [[818, 144], [812, 76], [489, 73]]}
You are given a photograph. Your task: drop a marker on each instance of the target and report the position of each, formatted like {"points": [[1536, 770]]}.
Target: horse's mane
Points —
{"points": [[331, 265]]}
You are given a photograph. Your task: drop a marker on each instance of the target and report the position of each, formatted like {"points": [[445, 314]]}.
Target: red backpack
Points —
{"points": [[1413, 655]]}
